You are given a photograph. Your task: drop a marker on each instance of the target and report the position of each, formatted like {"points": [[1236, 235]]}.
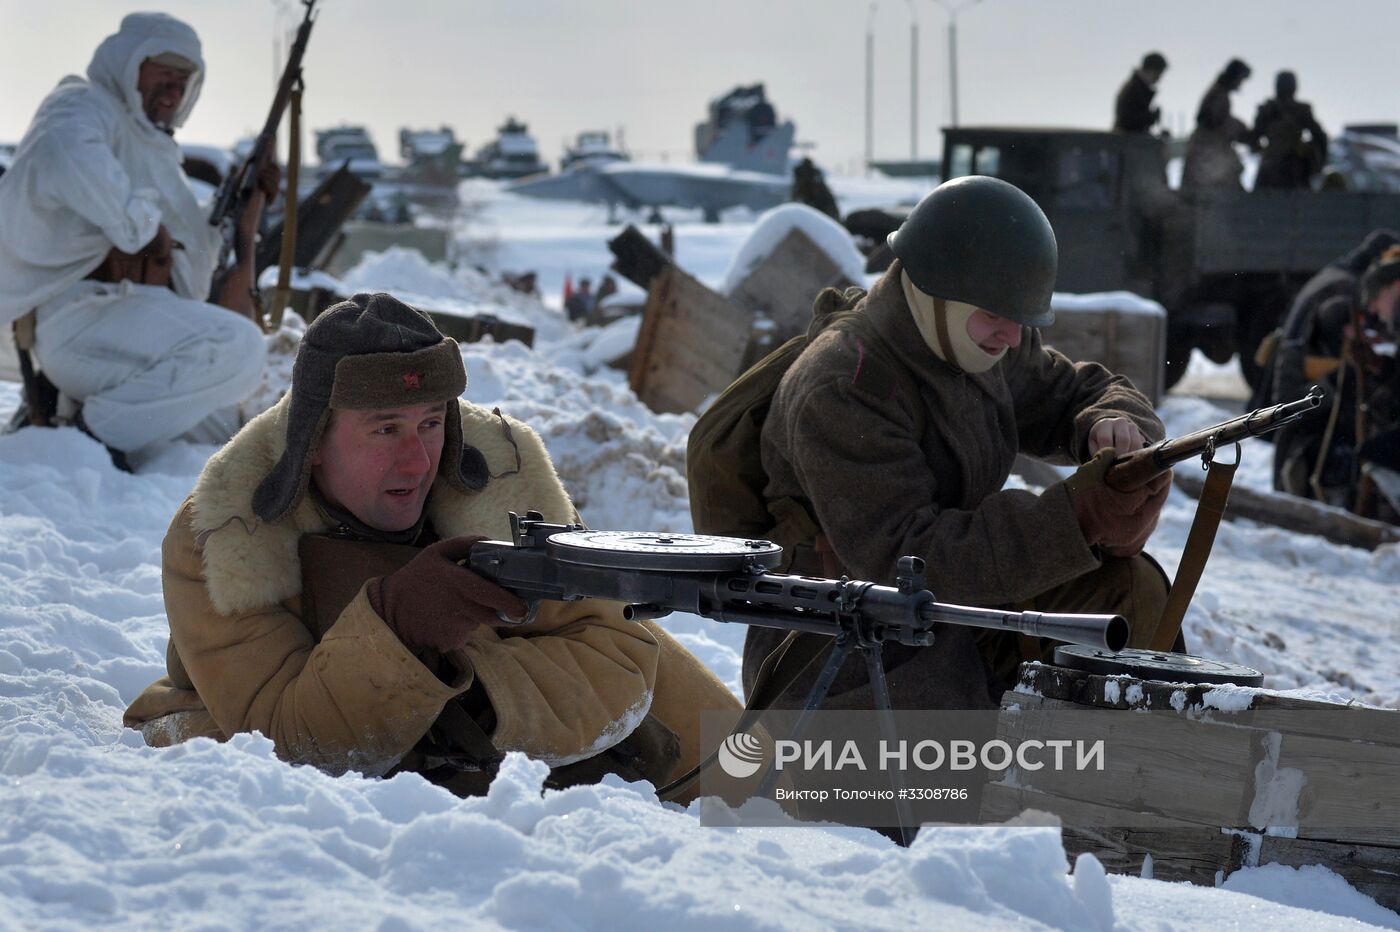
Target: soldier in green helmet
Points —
{"points": [[895, 431]]}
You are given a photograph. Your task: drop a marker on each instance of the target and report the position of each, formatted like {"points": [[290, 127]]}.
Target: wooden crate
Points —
{"points": [[1129, 340], [1347, 809], [691, 344], [783, 286]]}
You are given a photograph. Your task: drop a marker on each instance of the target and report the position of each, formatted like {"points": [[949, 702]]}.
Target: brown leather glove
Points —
{"points": [[149, 266], [1119, 522], [434, 602]]}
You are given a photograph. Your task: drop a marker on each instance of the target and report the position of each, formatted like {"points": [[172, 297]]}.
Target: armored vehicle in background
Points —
{"points": [[743, 132], [512, 154], [593, 147], [349, 146]]}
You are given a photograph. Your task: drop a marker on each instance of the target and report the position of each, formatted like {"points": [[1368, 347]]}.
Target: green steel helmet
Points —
{"points": [[984, 242]]}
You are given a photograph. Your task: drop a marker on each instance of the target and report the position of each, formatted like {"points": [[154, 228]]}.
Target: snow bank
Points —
{"points": [[623, 465], [1213, 380], [1314, 888], [406, 274], [1122, 301], [99, 829], [774, 225], [227, 835], [1312, 904]]}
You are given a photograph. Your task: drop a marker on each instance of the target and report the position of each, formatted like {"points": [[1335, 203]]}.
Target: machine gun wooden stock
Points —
{"points": [[237, 189], [1131, 470]]}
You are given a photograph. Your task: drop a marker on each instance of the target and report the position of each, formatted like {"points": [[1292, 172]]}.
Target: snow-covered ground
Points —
{"points": [[96, 829]]}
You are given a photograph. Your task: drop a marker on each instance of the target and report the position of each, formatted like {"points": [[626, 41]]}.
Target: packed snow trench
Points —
{"points": [[97, 830]]}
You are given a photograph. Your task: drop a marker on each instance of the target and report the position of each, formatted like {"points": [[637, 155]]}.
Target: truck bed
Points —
{"points": [[1283, 231]]}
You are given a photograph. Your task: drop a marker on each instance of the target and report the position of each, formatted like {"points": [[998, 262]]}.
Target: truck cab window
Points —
{"points": [[1087, 177]]}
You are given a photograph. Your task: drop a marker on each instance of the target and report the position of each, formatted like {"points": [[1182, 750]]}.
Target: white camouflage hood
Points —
{"points": [[117, 62]]}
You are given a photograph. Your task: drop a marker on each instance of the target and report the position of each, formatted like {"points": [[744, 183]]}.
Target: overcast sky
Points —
{"points": [[651, 65]]}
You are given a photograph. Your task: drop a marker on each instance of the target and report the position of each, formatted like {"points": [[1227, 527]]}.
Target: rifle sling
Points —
{"points": [[1209, 511]]}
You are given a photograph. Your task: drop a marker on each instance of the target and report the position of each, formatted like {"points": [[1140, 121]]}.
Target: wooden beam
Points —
{"points": [[636, 258], [1374, 871], [1295, 514], [1179, 851]]}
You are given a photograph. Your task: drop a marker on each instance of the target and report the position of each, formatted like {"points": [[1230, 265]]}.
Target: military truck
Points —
{"points": [[1224, 263]]}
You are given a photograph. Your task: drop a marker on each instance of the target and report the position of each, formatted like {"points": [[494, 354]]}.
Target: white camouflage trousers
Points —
{"points": [[146, 364]]}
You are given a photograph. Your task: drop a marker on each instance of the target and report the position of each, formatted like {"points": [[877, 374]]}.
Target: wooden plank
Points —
{"points": [[1179, 851], [1349, 790], [1374, 871], [691, 344], [636, 258], [473, 328], [1295, 514], [1341, 763], [1192, 771], [786, 282], [1093, 689], [1265, 712]]}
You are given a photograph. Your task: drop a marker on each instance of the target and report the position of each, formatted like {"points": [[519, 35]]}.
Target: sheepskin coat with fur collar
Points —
{"points": [[241, 657]]}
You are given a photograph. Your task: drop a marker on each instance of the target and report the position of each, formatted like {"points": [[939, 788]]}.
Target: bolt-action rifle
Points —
{"points": [[237, 188], [1130, 470]]}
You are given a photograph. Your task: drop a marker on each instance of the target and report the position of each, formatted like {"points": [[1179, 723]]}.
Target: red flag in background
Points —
{"points": [[568, 286]]}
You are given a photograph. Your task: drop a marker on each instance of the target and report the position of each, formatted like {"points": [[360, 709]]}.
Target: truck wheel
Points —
{"points": [[1256, 319], [1178, 355]]}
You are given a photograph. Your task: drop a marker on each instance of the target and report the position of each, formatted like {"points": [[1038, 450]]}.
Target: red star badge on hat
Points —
{"points": [[412, 381]]}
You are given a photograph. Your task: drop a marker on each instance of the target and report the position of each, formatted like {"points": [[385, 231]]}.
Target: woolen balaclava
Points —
{"points": [[368, 353], [943, 325]]}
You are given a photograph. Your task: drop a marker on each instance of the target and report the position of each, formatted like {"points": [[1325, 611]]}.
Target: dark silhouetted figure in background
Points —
{"points": [[809, 187], [580, 304], [1291, 143], [1338, 354], [1211, 159], [1133, 112], [1309, 337]]}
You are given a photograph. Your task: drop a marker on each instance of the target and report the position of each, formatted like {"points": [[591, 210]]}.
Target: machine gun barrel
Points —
{"points": [[1133, 469], [873, 613], [1109, 632]]}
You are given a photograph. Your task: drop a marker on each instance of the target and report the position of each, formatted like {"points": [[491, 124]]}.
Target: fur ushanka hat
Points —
{"points": [[370, 352]]}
